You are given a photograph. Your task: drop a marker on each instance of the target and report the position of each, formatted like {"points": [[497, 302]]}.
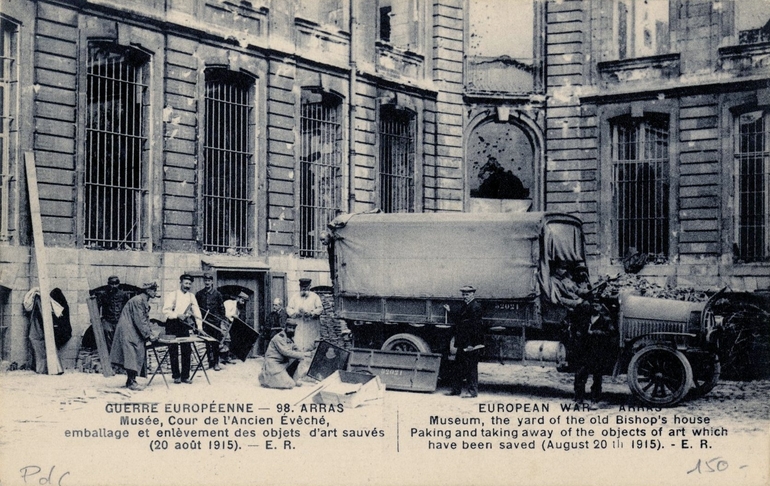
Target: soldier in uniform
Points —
{"points": [[469, 340], [132, 331], [276, 322], [591, 331], [111, 305], [212, 306], [282, 359]]}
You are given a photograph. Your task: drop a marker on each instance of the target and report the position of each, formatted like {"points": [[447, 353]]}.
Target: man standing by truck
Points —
{"points": [[469, 341]]}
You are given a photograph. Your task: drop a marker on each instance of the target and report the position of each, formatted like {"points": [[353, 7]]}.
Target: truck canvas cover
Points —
{"points": [[432, 255]]}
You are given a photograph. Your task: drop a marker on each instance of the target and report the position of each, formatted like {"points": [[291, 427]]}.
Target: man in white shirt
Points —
{"points": [[182, 315], [305, 309], [232, 310]]}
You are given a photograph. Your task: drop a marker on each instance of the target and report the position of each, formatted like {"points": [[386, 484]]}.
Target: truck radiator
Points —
{"points": [[633, 328]]}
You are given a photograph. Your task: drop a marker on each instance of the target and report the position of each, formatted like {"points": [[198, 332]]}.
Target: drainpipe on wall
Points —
{"points": [[352, 110]]}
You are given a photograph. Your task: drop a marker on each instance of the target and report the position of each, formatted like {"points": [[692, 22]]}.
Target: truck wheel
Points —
{"points": [[705, 375], [659, 375], [404, 342]]}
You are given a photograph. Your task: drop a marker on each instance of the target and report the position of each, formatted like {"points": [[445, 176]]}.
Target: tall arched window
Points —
{"points": [[752, 159], [228, 169], [320, 182], [8, 97], [397, 159], [640, 165], [500, 162], [116, 147]]}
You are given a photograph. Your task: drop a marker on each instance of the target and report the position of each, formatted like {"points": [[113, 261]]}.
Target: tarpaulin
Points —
{"points": [[561, 241], [432, 255]]}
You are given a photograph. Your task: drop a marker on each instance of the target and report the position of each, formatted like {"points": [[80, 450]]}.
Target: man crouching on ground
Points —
{"points": [[281, 360]]}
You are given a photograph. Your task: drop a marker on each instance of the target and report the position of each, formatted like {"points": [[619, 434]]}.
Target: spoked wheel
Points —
{"points": [[705, 374], [408, 343], [659, 375]]}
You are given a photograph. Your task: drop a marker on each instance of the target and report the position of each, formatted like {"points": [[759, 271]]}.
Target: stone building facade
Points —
{"points": [[214, 135], [657, 135], [176, 136]]}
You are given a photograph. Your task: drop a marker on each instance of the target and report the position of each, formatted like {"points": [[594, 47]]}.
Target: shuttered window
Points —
{"points": [[641, 185], [116, 148], [228, 168]]}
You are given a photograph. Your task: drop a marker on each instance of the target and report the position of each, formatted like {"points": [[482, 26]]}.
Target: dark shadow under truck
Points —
{"points": [[393, 273]]}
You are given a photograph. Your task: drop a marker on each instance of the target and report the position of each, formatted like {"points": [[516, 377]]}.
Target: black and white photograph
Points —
{"points": [[384, 242]]}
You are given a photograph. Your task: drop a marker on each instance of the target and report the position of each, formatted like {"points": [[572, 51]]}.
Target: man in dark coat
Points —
{"points": [[276, 322], [131, 333], [469, 341], [212, 306], [111, 304], [282, 359]]}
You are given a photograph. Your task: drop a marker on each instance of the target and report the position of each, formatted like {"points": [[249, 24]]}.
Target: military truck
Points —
{"points": [[393, 273]]}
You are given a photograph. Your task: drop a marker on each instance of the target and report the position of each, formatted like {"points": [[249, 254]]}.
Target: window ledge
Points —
{"points": [[326, 31], [664, 66], [745, 59], [404, 62], [321, 43]]}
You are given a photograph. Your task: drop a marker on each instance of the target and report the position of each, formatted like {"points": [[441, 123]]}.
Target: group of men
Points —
{"points": [[590, 334], [295, 331], [185, 314], [208, 313], [591, 330]]}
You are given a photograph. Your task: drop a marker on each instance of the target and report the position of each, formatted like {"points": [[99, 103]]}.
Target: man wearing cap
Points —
{"points": [[111, 304], [305, 310], [212, 306], [232, 311], [282, 359], [182, 315], [567, 292], [469, 341], [132, 331], [276, 322]]}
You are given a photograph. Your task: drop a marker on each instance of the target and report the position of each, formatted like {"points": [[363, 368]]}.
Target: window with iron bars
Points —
{"points": [[115, 149], [228, 169], [397, 160], [8, 94], [320, 183], [640, 160], [5, 329], [753, 187]]}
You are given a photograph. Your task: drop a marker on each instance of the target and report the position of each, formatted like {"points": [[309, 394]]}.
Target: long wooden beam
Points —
{"points": [[51, 356], [101, 342]]}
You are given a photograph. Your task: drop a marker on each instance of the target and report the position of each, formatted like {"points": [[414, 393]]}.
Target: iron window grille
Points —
{"points": [[320, 184], [8, 94], [115, 149], [5, 329], [753, 181], [397, 160], [640, 159], [228, 167]]}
